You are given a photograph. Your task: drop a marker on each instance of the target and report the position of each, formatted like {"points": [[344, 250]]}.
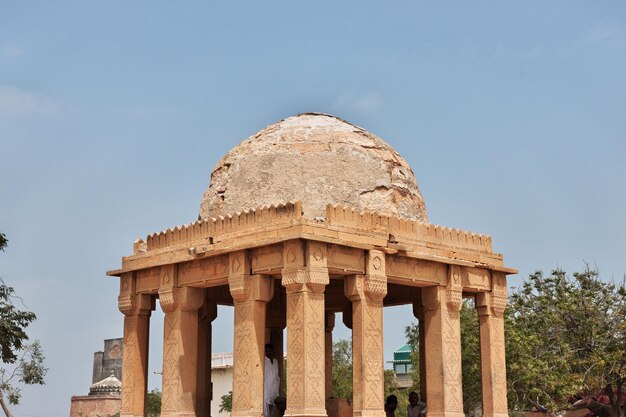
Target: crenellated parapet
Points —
{"points": [[407, 230], [203, 245], [213, 228], [209, 230]]}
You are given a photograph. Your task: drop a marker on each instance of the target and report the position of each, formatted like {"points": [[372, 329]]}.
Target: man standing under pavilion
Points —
{"points": [[271, 380]]}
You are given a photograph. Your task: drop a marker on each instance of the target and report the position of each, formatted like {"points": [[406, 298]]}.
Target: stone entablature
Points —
{"points": [[416, 253], [337, 217]]}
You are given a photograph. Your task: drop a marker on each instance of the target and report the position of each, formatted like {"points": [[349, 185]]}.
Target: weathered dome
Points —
{"points": [[318, 159], [108, 386]]}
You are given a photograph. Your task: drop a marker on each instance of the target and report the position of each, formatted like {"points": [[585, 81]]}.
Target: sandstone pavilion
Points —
{"points": [[306, 218]]}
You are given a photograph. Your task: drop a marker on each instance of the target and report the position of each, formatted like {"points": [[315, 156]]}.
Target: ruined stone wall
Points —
{"points": [[109, 361]]}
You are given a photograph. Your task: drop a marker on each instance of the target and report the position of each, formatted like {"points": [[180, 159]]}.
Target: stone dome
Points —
{"points": [[318, 159], [108, 386]]}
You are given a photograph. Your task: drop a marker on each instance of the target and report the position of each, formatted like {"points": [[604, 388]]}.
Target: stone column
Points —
{"points": [[275, 323], [442, 352], [328, 352], [136, 309], [366, 293], [180, 345], [207, 313], [418, 312], [490, 308], [305, 276], [250, 295]]}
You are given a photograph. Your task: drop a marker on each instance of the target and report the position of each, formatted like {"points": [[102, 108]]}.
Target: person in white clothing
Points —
{"points": [[271, 380], [416, 408]]}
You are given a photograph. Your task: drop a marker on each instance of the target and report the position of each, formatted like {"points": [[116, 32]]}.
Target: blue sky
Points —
{"points": [[112, 115]]}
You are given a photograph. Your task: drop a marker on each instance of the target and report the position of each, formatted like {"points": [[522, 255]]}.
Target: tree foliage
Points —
{"points": [[226, 403], [566, 340], [342, 368], [13, 323], [154, 403], [29, 369], [470, 357], [21, 363], [3, 241], [565, 343]]}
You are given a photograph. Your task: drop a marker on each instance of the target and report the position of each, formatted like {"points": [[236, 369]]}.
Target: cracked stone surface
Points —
{"points": [[318, 159]]}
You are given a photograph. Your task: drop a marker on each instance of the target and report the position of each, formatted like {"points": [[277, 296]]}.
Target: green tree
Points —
{"points": [[342, 368], [21, 362], [413, 339], [470, 357], [227, 403], [154, 403], [391, 387], [566, 338], [28, 369]]}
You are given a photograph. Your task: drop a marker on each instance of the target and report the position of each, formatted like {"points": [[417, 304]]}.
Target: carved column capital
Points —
{"points": [[376, 275], [454, 290], [494, 302], [373, 284], [305, 266], [136, 305], [129, 302], [251, 287], [182, 298], [313, 278], [488, 304], [243, 285], [498, 293]]}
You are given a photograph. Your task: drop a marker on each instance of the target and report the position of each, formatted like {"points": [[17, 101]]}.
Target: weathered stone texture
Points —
{"points": [[95, 406], [317, 159]]}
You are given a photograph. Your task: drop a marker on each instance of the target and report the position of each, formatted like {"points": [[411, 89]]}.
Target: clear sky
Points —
{"points": [[112, 115]]}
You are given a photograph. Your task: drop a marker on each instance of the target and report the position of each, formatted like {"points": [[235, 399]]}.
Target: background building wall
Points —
{"points": [[222, 379], [109, 361]]}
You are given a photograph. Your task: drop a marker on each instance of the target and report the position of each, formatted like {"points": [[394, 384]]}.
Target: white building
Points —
{"points": [[222, 379]]}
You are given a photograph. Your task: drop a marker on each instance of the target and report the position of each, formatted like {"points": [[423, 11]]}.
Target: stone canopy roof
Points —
{"points": [[108, 386], [317, 159]]}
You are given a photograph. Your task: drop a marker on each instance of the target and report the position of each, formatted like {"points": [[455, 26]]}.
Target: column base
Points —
{"points": [[430, 414], [178, 414], [249, 413], [306, 413], [369, 413], [495, 414]]}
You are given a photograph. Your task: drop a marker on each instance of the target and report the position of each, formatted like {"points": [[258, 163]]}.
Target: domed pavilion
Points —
{"points": [[306, 218]]}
